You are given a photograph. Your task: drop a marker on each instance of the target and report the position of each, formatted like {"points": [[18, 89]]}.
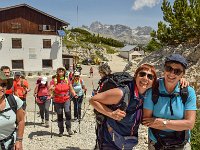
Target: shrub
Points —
{"points": [[195, 139]]}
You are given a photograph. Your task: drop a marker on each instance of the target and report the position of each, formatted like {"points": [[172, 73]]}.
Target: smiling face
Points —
{"points": [[61, 72], [144, 80], [2, 88], [173, 73], [145, 77]]}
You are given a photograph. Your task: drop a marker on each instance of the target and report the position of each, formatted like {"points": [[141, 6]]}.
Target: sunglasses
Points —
{"points": [[76, 76], [173, 70], [149, 76], [61, 70], [3, 85]]}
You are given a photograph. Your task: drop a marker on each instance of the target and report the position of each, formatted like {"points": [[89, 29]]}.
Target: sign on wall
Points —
{"points": [[32, 53]]}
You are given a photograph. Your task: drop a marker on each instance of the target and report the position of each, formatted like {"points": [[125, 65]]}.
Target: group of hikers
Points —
{"points": [[122, 102]]}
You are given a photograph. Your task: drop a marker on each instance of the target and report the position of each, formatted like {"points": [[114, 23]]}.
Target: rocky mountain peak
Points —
{"points": [[139, 35]]}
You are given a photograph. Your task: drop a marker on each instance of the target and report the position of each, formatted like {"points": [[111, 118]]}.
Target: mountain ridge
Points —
{"points": [[138, 35]]}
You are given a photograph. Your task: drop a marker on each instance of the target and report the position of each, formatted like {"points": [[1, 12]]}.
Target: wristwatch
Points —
{"points": [[165, 122]]}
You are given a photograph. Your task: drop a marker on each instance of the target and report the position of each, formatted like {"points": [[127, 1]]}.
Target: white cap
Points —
{"points": [[44, 80], [76, 73]]}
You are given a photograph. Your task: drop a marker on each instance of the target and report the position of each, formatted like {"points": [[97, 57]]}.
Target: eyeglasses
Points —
{"points": [[61, 70], [149, 76], [3, 84], [175, 71]]}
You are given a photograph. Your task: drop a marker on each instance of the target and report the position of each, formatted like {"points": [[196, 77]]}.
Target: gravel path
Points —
{"points": [[39, 137]]}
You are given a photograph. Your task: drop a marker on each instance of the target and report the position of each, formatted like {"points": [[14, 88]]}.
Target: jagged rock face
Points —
{"points": [[139, 35]]}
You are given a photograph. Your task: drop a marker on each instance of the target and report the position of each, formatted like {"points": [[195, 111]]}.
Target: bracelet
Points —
{"points": [[19, 139]]}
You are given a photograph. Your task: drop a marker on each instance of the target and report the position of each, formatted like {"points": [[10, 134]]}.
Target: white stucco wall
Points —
{"points": [[124, 54], [35, 43]]}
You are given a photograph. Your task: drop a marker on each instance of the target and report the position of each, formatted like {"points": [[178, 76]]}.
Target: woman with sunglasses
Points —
{"points": [[11, 122], [62, 87], [119, 121], [169, 119], [79, 88]]}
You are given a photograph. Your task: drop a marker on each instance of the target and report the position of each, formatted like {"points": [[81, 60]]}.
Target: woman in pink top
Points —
{"points": [[43, 99]]}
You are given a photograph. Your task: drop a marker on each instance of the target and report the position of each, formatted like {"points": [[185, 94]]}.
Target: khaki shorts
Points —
{"points": [[151, 146]]}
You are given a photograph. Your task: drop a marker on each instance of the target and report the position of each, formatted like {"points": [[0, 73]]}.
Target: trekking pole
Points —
{"points": [[52, 118], [34, 112], [78, 126], [79, 117]]}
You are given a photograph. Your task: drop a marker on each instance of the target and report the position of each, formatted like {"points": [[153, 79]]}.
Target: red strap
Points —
{"points": [[136, 92]]}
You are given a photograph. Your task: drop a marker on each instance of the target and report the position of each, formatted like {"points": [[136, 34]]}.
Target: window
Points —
{"points": [[17, 64], [16, 43], [46, 43], [46, 27], [46, 63], [16, 26]]}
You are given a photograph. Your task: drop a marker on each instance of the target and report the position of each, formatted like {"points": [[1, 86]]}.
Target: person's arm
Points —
{"points": [[186, 123], [15, 89], [21, 124], [178, 125], [71, 89], [35, 90], [112, 96]]}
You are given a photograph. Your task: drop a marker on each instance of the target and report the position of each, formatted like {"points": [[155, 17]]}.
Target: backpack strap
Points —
{"points": [[12, 102], [156, 94], [184, 94]]}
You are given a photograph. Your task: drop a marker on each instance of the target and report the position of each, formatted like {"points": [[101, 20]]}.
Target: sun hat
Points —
{"points": [[61, 68], [177, 58], [17, 73], [44, 80], [76, 73]]}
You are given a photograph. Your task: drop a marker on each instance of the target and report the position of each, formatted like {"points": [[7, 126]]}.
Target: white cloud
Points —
{"points": [[139, 4]]}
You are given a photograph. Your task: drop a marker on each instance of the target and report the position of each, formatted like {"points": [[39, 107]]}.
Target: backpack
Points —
{"points": [[118, 79], [156, 94], [13, 104], [124, 80], [176, 139]]}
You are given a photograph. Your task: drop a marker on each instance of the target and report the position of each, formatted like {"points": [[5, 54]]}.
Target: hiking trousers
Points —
{"points": [[151, 146], [60, 107], [77, 106], [44, 109]]}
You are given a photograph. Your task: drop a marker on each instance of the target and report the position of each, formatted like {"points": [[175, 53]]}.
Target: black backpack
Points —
{"points": [[12, 102], [118, 79], [175, 139]]}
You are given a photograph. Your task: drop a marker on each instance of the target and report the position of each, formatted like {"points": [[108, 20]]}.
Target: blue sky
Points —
{"points": [[132, 13]]}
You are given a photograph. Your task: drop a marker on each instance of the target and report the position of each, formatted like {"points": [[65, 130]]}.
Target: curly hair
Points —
{"points": [[105, 69]]}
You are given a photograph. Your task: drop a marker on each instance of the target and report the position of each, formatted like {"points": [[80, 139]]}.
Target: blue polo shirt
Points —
{"points": [[162, 108]]}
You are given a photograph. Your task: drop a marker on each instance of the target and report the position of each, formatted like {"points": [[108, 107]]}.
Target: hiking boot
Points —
{"points": [[60, 134], [69, 131], [47, 124]]}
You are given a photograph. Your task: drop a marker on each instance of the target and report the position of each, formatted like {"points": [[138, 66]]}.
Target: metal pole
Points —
{"points": [[34, 112], [52, 118]]}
